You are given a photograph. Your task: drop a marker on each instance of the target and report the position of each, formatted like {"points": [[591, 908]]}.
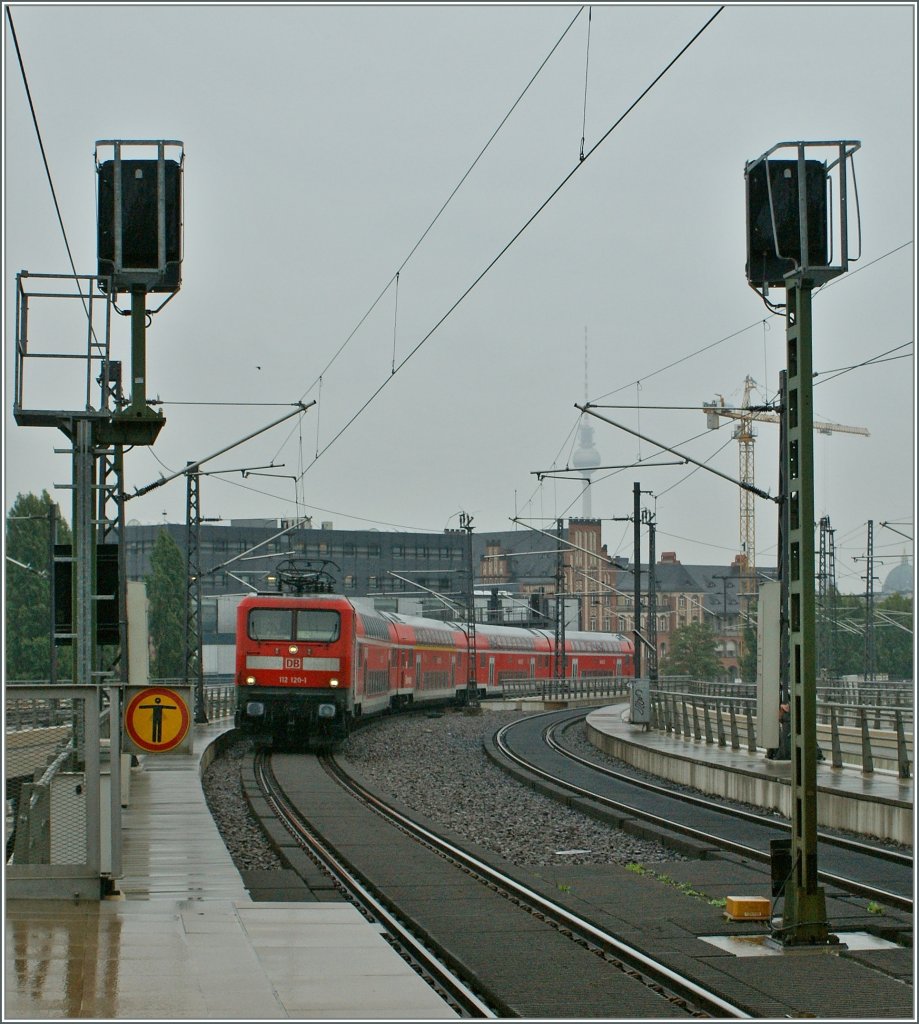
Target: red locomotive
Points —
{"points": [[308, 665]]}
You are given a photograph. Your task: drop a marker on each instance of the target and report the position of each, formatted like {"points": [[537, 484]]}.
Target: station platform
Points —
{"points": [[183, 939], [878, 803]]}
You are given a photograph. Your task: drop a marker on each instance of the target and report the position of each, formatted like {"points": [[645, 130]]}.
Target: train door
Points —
{"points": [[491, 671], [532, 668], [418, 684], [574, 668], [452, 671]]}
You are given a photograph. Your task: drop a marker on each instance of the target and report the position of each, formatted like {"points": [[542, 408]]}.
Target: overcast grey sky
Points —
{"points": [[320, 143]]}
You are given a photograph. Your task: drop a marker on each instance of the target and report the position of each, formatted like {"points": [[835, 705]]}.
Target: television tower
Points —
{"points": [[586, 458]]}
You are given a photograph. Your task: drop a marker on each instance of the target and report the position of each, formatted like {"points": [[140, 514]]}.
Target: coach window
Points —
{"points": [[270, 624], [317, 625]]}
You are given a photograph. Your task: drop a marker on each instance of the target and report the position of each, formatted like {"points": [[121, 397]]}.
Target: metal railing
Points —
{"points": [[883, 693], [65, 785], [219, 701], [572, 688], [869, 737]]}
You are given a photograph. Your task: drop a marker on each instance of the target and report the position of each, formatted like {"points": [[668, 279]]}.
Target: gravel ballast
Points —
{"points": [[437, 766]]}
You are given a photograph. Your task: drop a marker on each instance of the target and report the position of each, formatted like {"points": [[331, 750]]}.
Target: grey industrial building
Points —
{"points": [[517, 574]]}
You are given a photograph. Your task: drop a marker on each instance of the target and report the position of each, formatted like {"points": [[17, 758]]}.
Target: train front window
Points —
{"points": [[318, 625], [270, 624]]}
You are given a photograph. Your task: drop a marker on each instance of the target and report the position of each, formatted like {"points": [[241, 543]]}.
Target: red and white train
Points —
{"points": [[309, 666]]}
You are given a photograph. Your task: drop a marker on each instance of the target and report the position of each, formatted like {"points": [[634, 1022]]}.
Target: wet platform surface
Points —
{"points": [[183, 939]]}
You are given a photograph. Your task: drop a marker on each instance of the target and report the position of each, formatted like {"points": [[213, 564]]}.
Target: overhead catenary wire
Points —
{"points": [[395, 323], [446, 203], [873, 360], [427, 230], [508, 245], [735, 334], [590, 13], [44, 157]]}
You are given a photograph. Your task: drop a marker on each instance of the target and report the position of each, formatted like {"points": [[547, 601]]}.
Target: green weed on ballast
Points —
{"points": [[684, 887], [875, 908]]}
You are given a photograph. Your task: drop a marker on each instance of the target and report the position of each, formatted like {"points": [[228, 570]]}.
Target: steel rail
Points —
{"points": [[656, 972], [443, 978], [844, 843], [848, 884]]}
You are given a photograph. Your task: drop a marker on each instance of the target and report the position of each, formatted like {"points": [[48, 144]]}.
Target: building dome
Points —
{"points": [[900, 579], [586, 457]]}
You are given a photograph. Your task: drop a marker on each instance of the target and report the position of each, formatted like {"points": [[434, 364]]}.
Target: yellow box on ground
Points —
{"points": [[747, 908]]}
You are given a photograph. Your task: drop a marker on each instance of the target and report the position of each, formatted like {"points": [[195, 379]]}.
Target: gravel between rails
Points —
{"points": [[436, 765]]}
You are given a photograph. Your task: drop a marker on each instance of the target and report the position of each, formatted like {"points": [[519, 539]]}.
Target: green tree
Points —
{"points": [[692, 652], [28, 591], [166, 587], [893, 637]]}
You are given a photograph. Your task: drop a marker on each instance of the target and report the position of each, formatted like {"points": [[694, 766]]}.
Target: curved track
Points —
{"points": [[865, 869]]}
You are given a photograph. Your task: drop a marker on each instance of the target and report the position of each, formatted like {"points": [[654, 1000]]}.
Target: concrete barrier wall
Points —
{"points": [[868, 815]]}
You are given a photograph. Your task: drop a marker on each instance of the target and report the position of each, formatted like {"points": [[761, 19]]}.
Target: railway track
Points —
{"points": [[510, 949], [429, 966], [535, 745]]}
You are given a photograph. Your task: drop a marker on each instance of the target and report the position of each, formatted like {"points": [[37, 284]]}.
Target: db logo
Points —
{"points": [[291, 663]]}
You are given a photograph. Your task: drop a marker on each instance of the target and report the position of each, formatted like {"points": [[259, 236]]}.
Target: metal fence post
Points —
{"points": [[902, 753], [735, 739], [867, 759], [834, 739]]}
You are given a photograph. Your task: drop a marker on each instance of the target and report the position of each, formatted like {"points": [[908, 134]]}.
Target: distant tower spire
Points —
{"points": [[586, 458]]}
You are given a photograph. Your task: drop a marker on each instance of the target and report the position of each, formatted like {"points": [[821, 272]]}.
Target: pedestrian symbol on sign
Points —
{"points": [[157, 719], [156, 729]]}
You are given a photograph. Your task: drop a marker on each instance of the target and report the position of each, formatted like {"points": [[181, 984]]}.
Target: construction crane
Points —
{"points": [[745, 435]]}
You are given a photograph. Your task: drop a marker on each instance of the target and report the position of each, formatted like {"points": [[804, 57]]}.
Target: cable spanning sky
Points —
{"points": [[415, 215]]}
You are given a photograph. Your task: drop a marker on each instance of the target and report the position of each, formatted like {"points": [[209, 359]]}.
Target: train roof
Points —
{"points": [[365, 607]]}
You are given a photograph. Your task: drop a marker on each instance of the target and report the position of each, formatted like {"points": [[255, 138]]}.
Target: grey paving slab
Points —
{"points": [[186, 942]]}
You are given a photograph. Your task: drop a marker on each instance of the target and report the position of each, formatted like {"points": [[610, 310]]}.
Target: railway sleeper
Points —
{"points": [[684, 845]]}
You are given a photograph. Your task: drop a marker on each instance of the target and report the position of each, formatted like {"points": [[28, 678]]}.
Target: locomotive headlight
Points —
{"points": [[250, 680], [293, 648], [333, 682]]}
